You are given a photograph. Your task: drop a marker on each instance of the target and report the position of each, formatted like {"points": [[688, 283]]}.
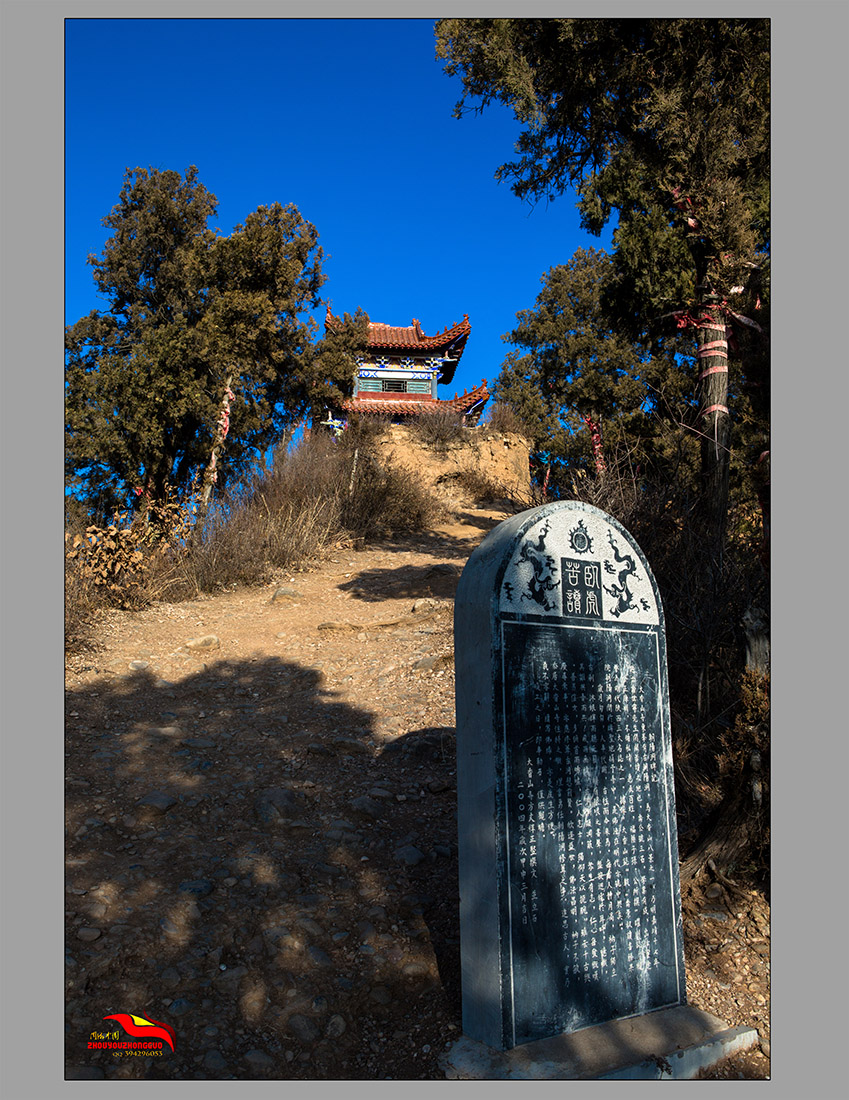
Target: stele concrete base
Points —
{"points": [[670, 1044]]}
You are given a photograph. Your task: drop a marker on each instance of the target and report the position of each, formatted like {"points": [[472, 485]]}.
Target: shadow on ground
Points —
{"points": [[415, 582], [238, 866]]}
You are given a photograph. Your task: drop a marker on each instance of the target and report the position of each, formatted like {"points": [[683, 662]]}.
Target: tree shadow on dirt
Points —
{"points": [[429, 757], [406, 581], [438, 543], [229, 873]]}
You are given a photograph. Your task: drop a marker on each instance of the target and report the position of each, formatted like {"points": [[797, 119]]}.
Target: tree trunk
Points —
{"points": [[715, 423], [756, 627], [210, 474], [729, 835]]}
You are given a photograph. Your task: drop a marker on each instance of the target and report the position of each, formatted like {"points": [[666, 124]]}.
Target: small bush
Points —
{"points": [[81, 603], [503, 419], [478, 487], [365, 429], [744, 761], [119, 564], [439, 429], [384, 501], [315, 496]]}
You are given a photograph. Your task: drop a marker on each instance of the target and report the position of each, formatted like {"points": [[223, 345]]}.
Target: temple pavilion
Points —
{"points": [[400, 368]]}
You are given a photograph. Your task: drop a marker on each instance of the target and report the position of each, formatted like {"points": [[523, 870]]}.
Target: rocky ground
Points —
{"points": [[261, 844]]}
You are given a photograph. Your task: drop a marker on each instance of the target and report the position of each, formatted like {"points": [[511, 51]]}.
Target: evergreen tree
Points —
{"points": [[664, 122], [581, 386], [205, 340]]}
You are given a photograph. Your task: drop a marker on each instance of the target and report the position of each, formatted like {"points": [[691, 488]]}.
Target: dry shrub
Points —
{"points": [[286, 516], [81, 603], [744, 762], [439, 429], [366, 429], [480, 488], [121, 563], [315, 495], [242, 543], [614, 490], [505, 420], [381, 500]]}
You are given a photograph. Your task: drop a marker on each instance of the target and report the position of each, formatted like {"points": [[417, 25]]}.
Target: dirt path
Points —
{"points": [[261, 831]]}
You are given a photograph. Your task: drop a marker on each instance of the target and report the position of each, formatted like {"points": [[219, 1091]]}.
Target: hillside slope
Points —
{"points": [[261, 844]]}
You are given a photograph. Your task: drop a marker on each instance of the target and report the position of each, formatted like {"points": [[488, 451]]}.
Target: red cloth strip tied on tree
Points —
{"points": [[598, 453]]}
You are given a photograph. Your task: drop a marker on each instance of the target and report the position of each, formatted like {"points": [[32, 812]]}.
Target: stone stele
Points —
{"points": [[570, 912]]}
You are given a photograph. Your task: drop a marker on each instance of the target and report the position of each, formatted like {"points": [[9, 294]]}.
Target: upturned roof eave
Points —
{"points": [[411, 339]]}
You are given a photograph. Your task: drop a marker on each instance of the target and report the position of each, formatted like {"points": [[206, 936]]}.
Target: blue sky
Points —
{"points": [[350, 120]]}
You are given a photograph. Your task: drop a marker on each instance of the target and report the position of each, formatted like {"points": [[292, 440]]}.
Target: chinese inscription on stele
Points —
{"points": [[569, 897]]}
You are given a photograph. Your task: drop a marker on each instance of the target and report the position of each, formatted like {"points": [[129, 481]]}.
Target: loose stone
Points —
{"points": [[366, 806], [199, 887], [214, 1061], [285, 593], [335, 1027], [303, 1028], [310, 926], [278, 805], [410, 855], [158, 800], [258, 1059], [349, 744]]}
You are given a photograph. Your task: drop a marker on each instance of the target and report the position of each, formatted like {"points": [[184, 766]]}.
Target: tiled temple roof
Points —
{"points": [[411, 338], [415, 404]]}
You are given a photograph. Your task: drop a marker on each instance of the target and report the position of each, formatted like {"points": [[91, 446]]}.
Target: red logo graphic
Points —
{"points": [[142, 1028]]}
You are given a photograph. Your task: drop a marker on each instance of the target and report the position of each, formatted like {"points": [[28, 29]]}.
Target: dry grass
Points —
{"points": [[439, 429], [81, 604], [503, 419], [315, 495]]}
